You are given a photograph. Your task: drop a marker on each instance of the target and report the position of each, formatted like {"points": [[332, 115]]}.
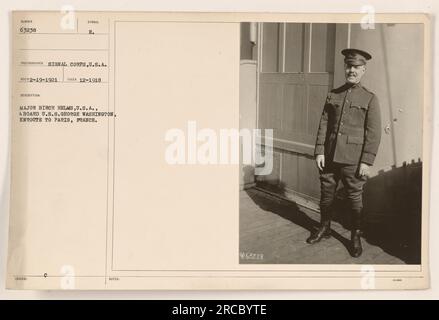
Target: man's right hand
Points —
{"points": [[320, 160]]}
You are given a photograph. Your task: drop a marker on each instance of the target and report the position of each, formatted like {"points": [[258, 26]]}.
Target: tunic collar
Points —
{"points": [[355, 85]]}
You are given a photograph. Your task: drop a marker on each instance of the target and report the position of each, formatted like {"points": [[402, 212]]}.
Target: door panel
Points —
{"points": [[270, 47], [322, 47], [271, 106], [294, 109], [294, 45], [294, 79]]}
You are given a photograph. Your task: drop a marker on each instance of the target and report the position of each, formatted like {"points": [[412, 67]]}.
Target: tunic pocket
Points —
{"points": [[359, 106], [354, 145], [357, 113]]}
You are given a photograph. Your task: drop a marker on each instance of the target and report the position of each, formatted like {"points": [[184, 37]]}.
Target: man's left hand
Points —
{"points": [[364, 170]]}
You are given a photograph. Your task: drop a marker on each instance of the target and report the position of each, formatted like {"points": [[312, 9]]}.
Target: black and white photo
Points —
{"points": [[345, 104]]}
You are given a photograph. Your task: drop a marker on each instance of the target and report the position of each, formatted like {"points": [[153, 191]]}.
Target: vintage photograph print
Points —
{"points": [[334, 174]]}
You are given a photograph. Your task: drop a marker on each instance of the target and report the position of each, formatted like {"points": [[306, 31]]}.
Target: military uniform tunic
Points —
{"points": [[349, 133]]}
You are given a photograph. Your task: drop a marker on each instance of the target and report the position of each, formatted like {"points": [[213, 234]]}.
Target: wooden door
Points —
{"points": [[296, 71]]}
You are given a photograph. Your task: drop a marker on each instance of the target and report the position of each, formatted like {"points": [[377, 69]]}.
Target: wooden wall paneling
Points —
{"points": [[341, 42], [322, 47], [294, 115], [274, 177], [270, 106], [309, 183], [270, 47], [294, 42], [290, 170]]}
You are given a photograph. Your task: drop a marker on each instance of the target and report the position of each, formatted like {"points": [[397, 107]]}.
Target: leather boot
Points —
{"points": [[324, 231], [357, 248]]}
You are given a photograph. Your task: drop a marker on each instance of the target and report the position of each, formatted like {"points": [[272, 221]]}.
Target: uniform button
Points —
{"points": [[347, 101], [339, 134]]}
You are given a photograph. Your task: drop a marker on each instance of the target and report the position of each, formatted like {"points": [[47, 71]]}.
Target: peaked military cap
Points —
{"points": [[355, 57]]}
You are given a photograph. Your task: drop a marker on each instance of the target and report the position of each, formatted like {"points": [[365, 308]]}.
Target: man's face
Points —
{"points": [[354, 73]]}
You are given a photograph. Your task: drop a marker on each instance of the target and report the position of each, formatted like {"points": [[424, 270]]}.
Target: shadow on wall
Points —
{"points": [[392, 211]]}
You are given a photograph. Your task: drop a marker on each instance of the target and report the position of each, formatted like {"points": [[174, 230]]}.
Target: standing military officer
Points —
{"points": [[347, 142]]}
